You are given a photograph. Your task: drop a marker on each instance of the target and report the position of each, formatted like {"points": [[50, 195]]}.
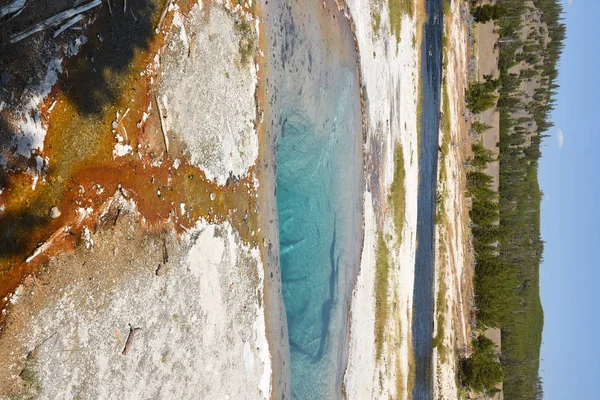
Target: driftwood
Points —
{"points": [[164, 14], [132, 332], [54, 20], [119, 338], [162, 125], [68, 24], [164, 251], [13, 6], [192, 42]]}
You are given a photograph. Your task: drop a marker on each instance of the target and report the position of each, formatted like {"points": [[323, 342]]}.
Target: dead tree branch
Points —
{"points": [[54, 20]]}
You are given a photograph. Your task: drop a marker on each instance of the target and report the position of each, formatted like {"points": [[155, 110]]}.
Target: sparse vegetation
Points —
{"points": [[247, 41], [397, 9], [376, 21], [375, 17], [400, 386], [398, 193], [446, 6], [440, 308], [382, 267], [446, 128], [411, 368], [29, 373]]}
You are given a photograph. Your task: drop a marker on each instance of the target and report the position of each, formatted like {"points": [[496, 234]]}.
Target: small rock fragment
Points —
{"points": [[161, 270], [54, 212]]}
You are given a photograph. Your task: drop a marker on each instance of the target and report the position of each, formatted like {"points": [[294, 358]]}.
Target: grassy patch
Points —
{"points": [[418, 41], [247, 41], [446, 128], [440, 218], [398, 193], [382, 268], [397, 9], [411, 366], [440, 309], [400, 387], [29, 372], [376, 21], [446, 7]]}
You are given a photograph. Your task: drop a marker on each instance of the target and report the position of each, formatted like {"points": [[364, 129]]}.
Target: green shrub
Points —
{"points": [[482, 372], [488, 12], [482, 96]]}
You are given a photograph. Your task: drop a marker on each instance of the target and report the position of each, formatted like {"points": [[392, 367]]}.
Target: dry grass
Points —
{"points": [[400, 386], [441, 306], [382, 267], [247, 41], [398, 193], [397, 9], [411, 363], [421, 15]]}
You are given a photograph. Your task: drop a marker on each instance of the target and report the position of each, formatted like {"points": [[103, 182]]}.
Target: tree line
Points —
{"points": [[506, 228]]}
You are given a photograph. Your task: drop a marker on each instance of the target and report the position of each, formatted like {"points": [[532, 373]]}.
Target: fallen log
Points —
{"points": [[54, 20]]}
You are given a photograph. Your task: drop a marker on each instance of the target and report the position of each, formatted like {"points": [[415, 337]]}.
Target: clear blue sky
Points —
{"points": [[570, 179]]}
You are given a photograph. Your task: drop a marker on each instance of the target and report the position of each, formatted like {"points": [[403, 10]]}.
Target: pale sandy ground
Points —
{"points": [[390, 79], [487, 64], [203, 74], [203, 320], [452, 250], [202, 328]]}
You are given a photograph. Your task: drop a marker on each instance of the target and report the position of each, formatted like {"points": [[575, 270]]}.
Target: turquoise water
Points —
{"points": [[314, 117], [319, 189]]}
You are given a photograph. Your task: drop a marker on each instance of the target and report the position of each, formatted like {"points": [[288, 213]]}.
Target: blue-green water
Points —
{"points": [[316, 109], [319, 208]]}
